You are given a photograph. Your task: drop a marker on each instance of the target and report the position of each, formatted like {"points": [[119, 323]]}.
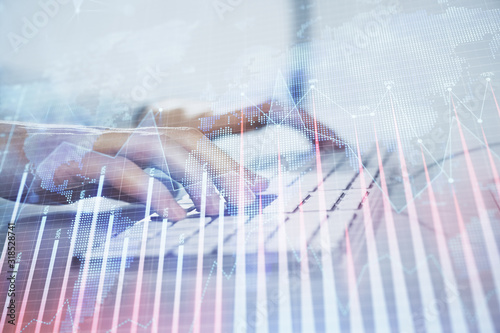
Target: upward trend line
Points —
{"points": [[67, 305], [48, 323]]}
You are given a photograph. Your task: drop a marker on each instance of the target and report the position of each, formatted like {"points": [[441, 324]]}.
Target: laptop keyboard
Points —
{"points": [[343, 202]]}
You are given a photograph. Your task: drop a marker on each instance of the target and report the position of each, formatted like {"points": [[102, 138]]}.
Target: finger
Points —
{"points": [[219, 162], [185, 168], [130, 180], [176, 112], [175, 156], [253, 117], [146, 149], [200, 186], [194, 140], [235, 189], [168, 149], [317, 130]]}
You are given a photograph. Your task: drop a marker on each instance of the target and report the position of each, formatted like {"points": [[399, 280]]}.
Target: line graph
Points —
{"points": [[422, 262], [343, 307], [149, 126], [373, 126], [67, 306], [390, 93]]}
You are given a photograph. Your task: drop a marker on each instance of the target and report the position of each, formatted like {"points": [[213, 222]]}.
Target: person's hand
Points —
{"points": [[175, 113], [181, 152]]}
